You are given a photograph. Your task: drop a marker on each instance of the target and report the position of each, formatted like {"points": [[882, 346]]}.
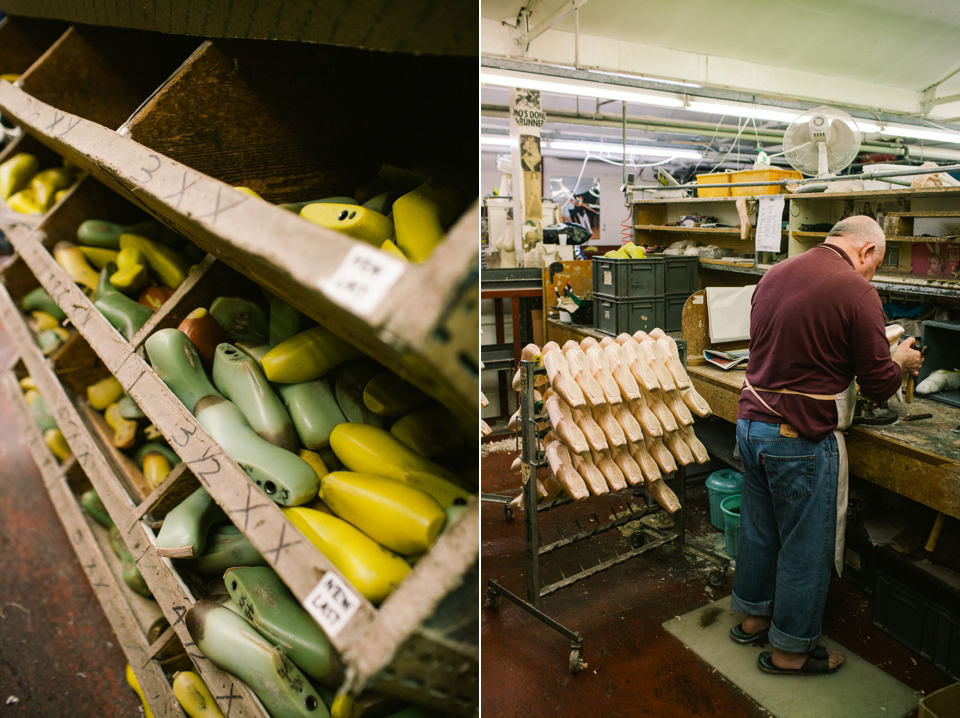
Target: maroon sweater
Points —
{"points": [[814, 325]]}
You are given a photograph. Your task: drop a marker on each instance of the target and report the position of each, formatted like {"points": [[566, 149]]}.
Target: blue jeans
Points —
{"points": [[788, 515]]}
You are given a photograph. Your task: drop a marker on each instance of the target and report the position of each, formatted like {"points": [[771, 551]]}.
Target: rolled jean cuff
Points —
{"points": [[738, 605], [791, 644]]}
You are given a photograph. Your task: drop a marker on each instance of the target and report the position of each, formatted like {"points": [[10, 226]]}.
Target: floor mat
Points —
{"points": [[858, 689]]}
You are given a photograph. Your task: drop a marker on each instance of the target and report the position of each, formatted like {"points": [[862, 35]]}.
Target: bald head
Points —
{"points": [[858, 231], [863, 241]]}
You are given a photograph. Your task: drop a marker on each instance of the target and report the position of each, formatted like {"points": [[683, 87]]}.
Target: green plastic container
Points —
{"points": [[730, 507], [721, 484]]}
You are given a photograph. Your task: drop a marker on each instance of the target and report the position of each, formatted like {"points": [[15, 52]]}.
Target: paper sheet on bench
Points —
{"points": [[728, 313]]}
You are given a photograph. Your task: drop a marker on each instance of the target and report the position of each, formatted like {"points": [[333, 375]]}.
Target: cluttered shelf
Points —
{"points": [[909, 192], [924, 286], [729, 265], [698, 230]]}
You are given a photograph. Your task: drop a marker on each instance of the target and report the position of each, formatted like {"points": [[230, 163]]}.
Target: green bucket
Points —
{"points": [[720, 485], [730, 507]]}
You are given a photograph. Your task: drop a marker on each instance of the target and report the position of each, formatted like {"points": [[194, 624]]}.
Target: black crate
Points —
{"points": [[680, 274], [942, 340], [947, 657], [628, 278], [616, 316], [673, 311], [905, 614]]}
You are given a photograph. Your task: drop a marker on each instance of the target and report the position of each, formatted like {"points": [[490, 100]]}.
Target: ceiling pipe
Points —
{"points": [[689, 127]]}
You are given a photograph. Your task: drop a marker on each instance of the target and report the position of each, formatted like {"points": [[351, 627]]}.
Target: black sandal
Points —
{"points": [[817, 664], [740, 636]]}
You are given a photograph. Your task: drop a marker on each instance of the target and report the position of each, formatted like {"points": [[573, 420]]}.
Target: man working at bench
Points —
{"points": [[816, 323]]}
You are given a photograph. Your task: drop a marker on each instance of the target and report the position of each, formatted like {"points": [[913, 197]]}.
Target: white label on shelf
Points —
{"points": [[363, 279], [770, 224], [332, 603]]}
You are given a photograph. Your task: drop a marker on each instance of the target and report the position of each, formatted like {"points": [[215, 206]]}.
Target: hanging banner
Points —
{"points": [[526, 118]]}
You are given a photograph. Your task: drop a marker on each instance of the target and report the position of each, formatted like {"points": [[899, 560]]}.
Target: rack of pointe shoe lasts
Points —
{"points": [[532, 457]]}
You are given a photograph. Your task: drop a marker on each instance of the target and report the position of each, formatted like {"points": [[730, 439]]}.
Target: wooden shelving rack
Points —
{"points": [[172, 140]]}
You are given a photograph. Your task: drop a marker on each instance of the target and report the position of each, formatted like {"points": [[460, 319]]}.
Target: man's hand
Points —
{"points": [[909, 359]]}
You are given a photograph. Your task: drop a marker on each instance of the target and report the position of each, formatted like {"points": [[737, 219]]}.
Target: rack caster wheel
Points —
{"points": [[491, 599], [717, 578], [508, 512], [576, 661]]}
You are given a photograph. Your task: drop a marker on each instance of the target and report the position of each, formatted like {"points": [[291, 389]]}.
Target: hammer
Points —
{"points": [[910, 377]]}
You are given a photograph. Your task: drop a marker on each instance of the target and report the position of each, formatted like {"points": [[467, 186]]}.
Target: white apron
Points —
{"points": [[846, 402]]}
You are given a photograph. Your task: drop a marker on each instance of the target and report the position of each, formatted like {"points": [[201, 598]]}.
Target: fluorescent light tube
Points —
{"points": [[567, 86], [922, 134], [582, 146], [499, 141], [760, 113]]}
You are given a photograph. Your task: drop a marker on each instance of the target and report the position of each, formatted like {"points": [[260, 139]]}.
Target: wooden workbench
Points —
{"points": [[916, 459]]}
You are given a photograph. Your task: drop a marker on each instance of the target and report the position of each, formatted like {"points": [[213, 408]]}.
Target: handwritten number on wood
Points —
{"points": [[186, 437], [149, 172], [202, 475], [190, 653]]}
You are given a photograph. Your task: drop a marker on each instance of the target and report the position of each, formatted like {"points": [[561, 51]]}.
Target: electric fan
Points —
{"points": [[821, 142]]}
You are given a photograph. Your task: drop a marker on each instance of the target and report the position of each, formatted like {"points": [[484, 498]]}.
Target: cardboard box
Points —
{"points": [[944, 703]]}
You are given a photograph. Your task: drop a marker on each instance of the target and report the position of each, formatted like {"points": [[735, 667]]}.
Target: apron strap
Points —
{"points": [[819, 397]]}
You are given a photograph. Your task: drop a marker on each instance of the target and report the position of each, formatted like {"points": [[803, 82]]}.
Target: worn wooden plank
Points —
{"points": [[417, 26], [723, 400], [935, 484]]}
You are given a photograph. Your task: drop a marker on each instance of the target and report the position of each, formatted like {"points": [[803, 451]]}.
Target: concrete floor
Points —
{"points": [[635, 668], [58, 654]]}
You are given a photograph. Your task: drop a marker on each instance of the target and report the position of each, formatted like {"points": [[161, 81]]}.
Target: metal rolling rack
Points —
{"points": [[641, 542]]}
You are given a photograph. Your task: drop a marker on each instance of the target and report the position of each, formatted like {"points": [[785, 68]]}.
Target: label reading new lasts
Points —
{"points": [[363, 279], [332, 603]]}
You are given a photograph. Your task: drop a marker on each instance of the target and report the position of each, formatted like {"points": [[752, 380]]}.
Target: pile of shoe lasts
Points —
{"points": [[621, 413]]}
